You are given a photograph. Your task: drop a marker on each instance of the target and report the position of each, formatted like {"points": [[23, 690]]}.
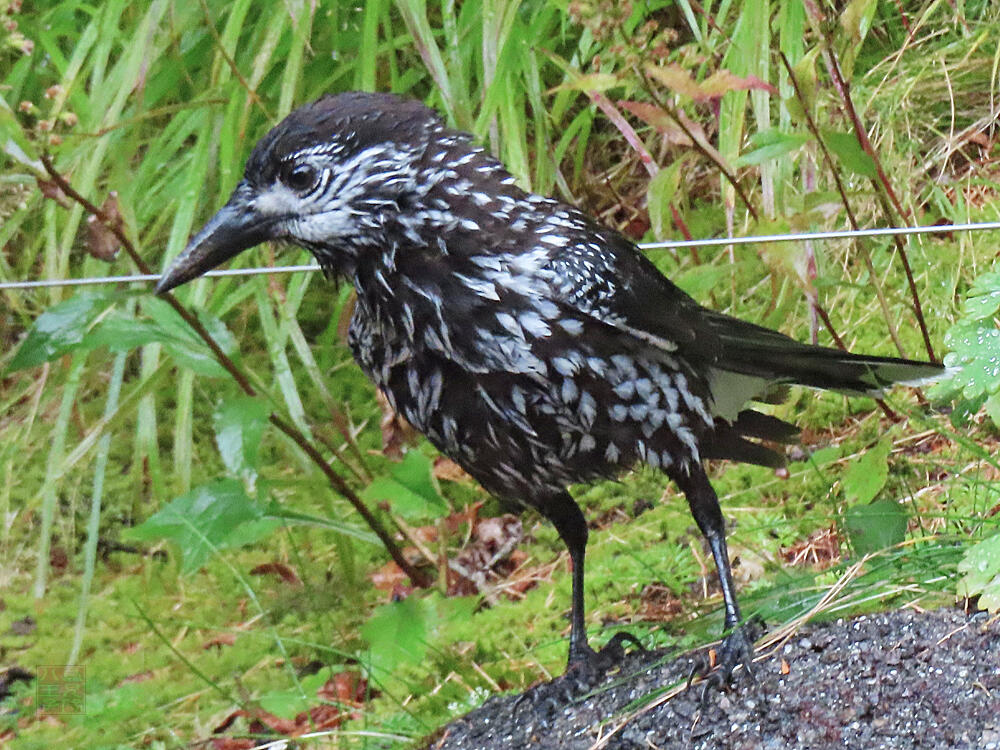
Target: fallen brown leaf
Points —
{"points": [[282, 570]]}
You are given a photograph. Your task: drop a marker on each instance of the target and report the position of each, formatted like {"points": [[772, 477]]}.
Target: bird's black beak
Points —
{"points": [[236, 227]]}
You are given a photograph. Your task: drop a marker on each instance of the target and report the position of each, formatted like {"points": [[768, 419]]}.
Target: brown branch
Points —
{"points": [[336, 481], [866, 256], [883, 189], [835, 173]]}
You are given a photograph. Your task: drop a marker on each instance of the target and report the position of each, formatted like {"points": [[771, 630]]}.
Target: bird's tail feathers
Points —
{"points": [[751, 350]]}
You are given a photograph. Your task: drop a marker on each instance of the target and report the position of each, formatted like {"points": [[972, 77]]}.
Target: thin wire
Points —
{"points": [[983, 226], [150, 277]]}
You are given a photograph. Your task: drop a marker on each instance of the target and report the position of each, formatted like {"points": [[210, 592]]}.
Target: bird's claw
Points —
{"points": [[735, 650], [588, 665]]}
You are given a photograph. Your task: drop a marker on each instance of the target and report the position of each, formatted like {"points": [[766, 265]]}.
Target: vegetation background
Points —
{"points": [[198, 549]]}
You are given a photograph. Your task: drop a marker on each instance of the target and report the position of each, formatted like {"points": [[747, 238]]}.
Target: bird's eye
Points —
{"points": [[299, 177]]}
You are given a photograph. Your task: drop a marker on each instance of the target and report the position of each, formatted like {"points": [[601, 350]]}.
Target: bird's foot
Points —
{"points": [[585, 669], [583, 660], [716, 667]]}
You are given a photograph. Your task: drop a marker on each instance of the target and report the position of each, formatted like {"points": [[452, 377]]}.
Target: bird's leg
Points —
{"points": [[568, 519], [737, 645]]}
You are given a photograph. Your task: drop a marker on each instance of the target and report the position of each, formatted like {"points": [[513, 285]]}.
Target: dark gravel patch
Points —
{"points": [[900, 679]]}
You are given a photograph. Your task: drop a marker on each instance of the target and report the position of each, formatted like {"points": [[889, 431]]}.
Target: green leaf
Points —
{"points": [[771, 144], [239, 424], [292, 517], [846, 148], [981, 569], [875, 526], [207, 518], [121, 332], [185, 345], [659, 195], [698, 281], [60, 329], [866, 476], [975, 351], [397, 634], [983, 299], [410, 488], [992, 406]]}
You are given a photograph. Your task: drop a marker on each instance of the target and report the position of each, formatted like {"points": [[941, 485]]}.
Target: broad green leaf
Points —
{"points": [[397, 633], [847, 149], [589, 82], [983, 299], [981, 573], [975, 351], [410, 489], [660, 194], [284, 703], [239, 424], [856, 19], [122, 332], [207, 518], [805, 76], [992, 406], [771, 144], [875, 526], [866, 476], [698, 281], [60, 329], [184, 344]]}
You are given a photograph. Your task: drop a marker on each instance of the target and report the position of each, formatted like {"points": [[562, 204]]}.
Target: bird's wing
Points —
{"points": [[605, 276]]}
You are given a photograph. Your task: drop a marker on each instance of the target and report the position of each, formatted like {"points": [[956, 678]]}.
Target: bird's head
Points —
{"points": [[328, 178]]}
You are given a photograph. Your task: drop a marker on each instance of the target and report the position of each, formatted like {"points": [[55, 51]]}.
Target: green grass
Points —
{"points": [[161, 102]]}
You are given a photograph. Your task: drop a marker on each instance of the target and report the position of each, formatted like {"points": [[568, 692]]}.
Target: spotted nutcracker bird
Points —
{"points": [[529, 343]]}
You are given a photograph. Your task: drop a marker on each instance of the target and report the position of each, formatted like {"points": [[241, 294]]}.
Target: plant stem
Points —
{"points": [[336, 481]]}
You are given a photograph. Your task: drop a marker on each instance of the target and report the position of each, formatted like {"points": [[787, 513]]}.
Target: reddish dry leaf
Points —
{"points": [[397, 433], [468, 515], [423, 535], [101, 240], [722, 82], [348, 688], [445, 468], [659, 119], [821, 548], [391, 579], [138, 677], [657, 603], [53, 192], [232, 743], [388, 576], [222, 639], [321, 717], [678, 80], [283, 571], [260, 719], [58, 559], [610, 517], [785, 667]]}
